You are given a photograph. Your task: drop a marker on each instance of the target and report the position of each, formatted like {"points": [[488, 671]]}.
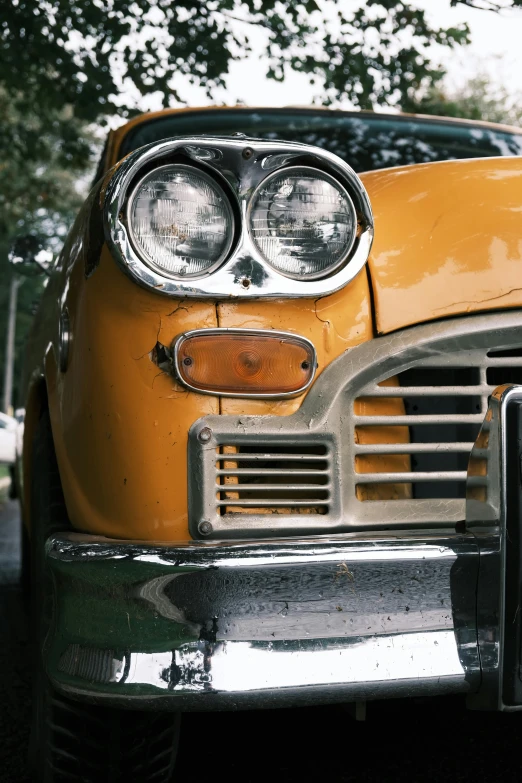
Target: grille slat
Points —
{"points": [[272, 503], [240, 457], [503, 361], [267, 471], [408, 421], [272, 487], [429, 391], [408, 477], [413, 448]]}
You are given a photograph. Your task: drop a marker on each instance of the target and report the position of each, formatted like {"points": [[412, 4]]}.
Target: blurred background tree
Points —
{"points": [[476, 99], [44, 154], [489, 5]]}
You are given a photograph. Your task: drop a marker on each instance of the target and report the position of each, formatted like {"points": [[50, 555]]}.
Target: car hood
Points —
{"points": [[448, 239]]}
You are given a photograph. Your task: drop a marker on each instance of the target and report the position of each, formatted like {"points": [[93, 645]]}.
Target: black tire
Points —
{"points": [[70, 740]]}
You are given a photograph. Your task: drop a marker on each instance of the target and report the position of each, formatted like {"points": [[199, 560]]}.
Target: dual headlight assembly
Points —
{"points": [[238, 217]]}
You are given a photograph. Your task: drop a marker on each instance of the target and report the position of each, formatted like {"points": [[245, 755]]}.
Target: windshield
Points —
{"points": [[365, 141]]}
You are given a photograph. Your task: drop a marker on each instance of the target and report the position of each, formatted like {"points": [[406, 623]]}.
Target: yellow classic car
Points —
{"points": [[268, 458]]}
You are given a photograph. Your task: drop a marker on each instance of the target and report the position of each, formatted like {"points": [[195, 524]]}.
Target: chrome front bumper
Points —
{"points": [[214, 625]]}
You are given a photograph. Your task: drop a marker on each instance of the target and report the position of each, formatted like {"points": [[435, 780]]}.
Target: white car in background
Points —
{"points": [[19, 416], [8, 427]]}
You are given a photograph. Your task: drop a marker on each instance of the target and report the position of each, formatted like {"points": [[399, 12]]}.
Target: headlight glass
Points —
{"points": [[303, 222], [180, 221]]}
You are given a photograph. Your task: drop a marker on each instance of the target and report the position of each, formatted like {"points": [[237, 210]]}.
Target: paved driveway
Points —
{"points": [[433, 740]]}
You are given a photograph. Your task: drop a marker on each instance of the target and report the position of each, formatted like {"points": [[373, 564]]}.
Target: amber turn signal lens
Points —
{"points": [[244, 363]]}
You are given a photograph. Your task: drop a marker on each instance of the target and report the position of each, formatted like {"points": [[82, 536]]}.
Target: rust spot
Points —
{"points": [[343, 570]]}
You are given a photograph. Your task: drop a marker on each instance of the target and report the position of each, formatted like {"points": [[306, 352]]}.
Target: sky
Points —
{"points": [[495, 49], [493, 36]]}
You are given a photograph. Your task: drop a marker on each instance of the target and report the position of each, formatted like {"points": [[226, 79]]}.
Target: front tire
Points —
{"points": [[70, 740]]}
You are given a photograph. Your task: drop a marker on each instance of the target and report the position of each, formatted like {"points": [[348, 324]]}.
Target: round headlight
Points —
{"points": [[180, 221], [303, 222]]}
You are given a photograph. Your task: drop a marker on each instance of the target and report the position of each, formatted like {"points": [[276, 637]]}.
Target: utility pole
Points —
{"points": [[16, 282]]}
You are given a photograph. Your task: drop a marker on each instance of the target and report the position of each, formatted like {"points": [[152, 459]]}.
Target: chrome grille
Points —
{"points": [[257, 475], [265, 478]]}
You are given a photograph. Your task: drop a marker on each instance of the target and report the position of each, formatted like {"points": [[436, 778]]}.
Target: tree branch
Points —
{"points": [[481, 5], [259, 22]]}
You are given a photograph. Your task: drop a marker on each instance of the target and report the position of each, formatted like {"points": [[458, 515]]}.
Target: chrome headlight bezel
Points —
{"points": [[239, 166]]}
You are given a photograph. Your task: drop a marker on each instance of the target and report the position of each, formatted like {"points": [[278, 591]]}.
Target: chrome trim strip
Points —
{"points": [[246, 332], [207, 625], [64, 340], [486, 518], [245, 273]]}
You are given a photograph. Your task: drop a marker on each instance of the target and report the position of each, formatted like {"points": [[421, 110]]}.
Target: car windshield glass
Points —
{"points": [[365, 141]]}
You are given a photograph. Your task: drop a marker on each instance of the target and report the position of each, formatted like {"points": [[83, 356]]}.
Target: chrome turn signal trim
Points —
{"points": [[270, 333]]}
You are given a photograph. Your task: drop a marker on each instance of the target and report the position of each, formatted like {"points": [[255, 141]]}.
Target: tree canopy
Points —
{"points": [[42, 159], [65, 64], [79, 52]]}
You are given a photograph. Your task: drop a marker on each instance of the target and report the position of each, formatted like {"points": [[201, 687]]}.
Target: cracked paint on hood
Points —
{"points": [[333, 323]]}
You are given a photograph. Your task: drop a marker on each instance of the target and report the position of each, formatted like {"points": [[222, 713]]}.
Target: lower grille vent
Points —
{"points": [[269, 479]]}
